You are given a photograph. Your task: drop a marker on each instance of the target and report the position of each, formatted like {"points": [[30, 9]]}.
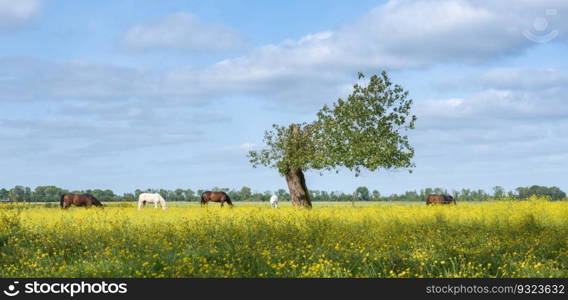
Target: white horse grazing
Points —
{"points": [[274, 201], [154, 198]]}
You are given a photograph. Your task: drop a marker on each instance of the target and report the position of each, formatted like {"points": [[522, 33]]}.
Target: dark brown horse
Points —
{"points": [[209, 196], [86, 200], [440, 199]]}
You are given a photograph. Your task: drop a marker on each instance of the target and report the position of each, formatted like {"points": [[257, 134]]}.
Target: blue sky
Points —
{"points": [[130, 94]]}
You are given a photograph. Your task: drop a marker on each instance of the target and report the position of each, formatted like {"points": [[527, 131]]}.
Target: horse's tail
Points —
{"points": [[203, 200], [61, 200]]}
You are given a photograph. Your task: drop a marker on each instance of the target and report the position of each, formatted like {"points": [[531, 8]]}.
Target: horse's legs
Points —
{"points": [[155, 204]]}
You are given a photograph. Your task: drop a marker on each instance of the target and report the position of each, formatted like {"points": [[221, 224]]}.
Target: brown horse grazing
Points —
{"points": [[85, 200], [440, 199], [215, 197]]}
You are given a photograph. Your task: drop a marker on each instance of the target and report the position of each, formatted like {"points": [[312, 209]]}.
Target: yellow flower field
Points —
{"points": [[492, 239]]}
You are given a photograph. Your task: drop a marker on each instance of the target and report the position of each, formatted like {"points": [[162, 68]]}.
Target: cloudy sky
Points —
{"points": [[166, 94]]}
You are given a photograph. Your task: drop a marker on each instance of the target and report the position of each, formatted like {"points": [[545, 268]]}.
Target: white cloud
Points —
{"points": [[245, 147], [313, 69], [524, 78], [182, 31], [397, 35], [74, 81], [80, 134], [512, 91], [17, 12], [316, 67], [400, 34], [491, 106], [504, 128]]}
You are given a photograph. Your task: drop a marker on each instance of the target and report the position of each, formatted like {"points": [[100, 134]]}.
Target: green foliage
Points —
{"points": [[498, 192], [288, 147], [368, 129], [365, 131], [245, 192], [362, 193], [47, 193], [554, 193], [20, 194], [376, 196]]}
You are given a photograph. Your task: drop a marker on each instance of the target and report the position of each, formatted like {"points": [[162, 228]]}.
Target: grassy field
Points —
{"points": [[493, 239]]}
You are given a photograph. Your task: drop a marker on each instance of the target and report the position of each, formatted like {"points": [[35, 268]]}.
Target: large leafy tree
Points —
{"points": [[366, 131]]}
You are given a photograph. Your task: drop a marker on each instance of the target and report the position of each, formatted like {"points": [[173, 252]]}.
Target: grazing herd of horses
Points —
{"points": [[88, 200]]}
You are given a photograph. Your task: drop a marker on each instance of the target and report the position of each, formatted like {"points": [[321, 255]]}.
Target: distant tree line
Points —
{"points": [[498, 192], [53, 194]]}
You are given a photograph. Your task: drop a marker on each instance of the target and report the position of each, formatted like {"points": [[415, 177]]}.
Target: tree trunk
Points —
{"points": [[299, 194]]}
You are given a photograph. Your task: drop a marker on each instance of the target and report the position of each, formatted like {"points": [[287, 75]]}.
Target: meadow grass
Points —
{"points": [[491, 239]]}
